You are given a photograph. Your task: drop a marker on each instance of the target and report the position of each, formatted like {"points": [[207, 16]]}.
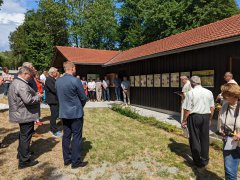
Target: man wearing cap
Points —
{"points": [[198, 108]]}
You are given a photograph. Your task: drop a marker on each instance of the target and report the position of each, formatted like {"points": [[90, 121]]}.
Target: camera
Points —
{"points": [[228, 132]]}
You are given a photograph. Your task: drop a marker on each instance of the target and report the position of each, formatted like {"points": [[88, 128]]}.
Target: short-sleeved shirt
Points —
{"points": [[199, 100], [91, 86], [187, 87], [6, 77], [230, 120], [125, 84]]}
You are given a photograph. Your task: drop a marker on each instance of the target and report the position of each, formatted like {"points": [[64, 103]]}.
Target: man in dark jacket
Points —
{"points": [[52, 100], [72, 98]]}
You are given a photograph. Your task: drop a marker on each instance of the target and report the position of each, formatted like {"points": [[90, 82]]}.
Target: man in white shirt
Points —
{"points": [[228, 77], [198, 108]]}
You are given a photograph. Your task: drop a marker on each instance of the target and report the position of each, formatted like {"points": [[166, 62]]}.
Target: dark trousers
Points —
{"points": [[72, 128], [106, 94], [25, 135], [54, 108], [198, 127], [91, 95], [5, 88]]}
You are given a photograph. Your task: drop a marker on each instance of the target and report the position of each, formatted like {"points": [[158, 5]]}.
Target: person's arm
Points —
{"points": [[27, 97], [212, 108], [80, 91], [187, 106]]}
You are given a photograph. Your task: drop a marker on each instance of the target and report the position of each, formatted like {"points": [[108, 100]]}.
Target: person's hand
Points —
{"points": [[184, 124], [40, 94], [236, 136]]}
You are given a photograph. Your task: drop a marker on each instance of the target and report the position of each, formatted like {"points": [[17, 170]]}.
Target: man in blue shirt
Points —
{"points": [[72, 98], [126, 90]]}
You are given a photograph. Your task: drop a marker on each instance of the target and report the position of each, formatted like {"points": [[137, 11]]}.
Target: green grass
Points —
{"points": [[118, 139], [116, 147]]}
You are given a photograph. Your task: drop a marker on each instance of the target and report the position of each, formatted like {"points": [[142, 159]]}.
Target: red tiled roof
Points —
{"points": [[222, 29], [219, 30], [86, 56]]}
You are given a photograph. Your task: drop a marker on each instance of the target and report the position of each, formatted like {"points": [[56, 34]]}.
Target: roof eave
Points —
{"points": [[188, 48]]}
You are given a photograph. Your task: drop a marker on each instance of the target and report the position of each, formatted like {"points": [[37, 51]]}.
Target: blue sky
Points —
{"points": [[12, 15]]}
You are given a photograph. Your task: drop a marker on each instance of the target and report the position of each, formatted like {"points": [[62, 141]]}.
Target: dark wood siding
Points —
{"points": [[212, 58]]}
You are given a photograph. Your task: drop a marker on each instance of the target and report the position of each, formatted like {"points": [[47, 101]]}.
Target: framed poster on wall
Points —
{"points": [[207, 77], [143, 80], [157, 80], [137, 81], [92, 76], [132, 81], [150, 80], [165, 80], [184, 74], [174, 80]]}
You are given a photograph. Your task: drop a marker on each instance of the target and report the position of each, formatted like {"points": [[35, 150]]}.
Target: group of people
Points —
{"points": [[198, 107], [67, 95], [98, 90]]}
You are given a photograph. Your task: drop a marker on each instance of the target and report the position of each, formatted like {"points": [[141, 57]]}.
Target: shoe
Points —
{"points": [[67, 164], [29, 164], [80, 164], [57, 134], [3, 145]]}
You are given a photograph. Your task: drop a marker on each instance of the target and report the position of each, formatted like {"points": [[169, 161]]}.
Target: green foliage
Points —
{"points": [[99, 28], [145, 21], [7, 59], [1, 1], [127, 111], [131, 113], [35, 39]]}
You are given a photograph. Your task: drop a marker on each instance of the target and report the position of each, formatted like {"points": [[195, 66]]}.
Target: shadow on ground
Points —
{"points": [[48, 172], [86, 147], [43, 146], [183, 150]]}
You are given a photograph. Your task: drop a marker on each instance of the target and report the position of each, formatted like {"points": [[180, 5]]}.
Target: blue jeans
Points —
{"points": [[72, 128], [5, 88], [106, 94], [231, 162], [117, 92]]}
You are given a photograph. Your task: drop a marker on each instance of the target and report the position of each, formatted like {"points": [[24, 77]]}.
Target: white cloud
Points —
{"points": [[11, 16]]}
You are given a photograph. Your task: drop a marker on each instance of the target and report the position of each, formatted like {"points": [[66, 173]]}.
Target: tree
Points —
{"points": [[41, 31], [130, 24], [1, 1], [99, 27], [164, 18], [146, 21]]}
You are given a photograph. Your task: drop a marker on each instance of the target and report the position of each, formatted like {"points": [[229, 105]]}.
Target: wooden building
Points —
{"points": [[154, 68]]}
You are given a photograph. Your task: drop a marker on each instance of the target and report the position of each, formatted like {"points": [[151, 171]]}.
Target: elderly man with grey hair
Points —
{"points": [[24, 110], [52, 100], [198, 108]]}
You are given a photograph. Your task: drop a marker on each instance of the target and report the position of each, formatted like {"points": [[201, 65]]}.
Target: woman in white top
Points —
{"points": [[229, 127], [91, 90]]}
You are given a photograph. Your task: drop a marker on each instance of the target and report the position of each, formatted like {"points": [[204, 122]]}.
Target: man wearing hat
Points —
{"points": [[198, 108]]}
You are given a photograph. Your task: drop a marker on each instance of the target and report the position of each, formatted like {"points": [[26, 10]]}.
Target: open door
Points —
{"points": [[235, 68]]}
